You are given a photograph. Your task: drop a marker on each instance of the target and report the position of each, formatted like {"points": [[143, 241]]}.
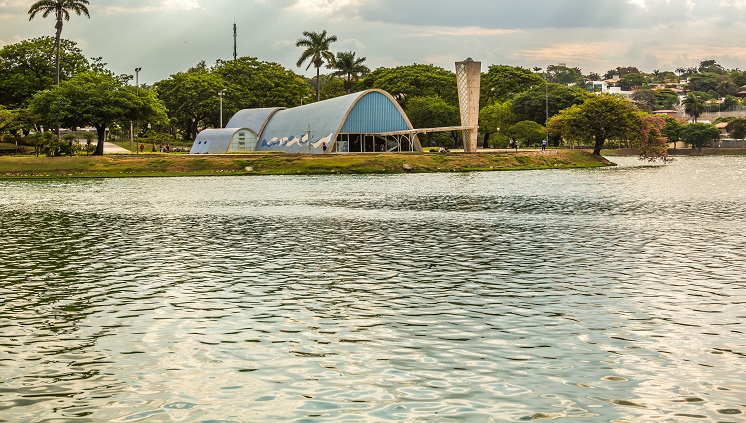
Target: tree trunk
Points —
{"points": [[599, 144], [193, 135], [318, 85], [101, 132], [57, 37]]}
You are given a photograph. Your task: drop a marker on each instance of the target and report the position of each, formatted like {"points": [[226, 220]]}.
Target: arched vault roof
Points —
{"points": [[254, 119], [304, 129]]}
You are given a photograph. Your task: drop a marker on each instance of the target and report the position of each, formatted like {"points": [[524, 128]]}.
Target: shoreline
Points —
{"points": [[172, 165]]}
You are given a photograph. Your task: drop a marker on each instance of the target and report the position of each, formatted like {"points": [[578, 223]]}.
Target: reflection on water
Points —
{"points": [[598, 295]]}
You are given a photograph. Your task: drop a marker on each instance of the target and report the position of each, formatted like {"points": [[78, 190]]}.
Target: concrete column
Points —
{"points": [[468, 77]]}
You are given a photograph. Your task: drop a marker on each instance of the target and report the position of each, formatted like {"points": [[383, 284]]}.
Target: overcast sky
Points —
{"points": [[168, 36]]}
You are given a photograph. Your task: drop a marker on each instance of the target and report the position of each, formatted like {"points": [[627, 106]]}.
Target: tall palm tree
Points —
{"points": [[317, 53], [350, 67], [61, 9], [694, 105]]}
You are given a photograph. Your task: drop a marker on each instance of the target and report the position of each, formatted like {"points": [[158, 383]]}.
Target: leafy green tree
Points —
{"points": [[699, 134], [561, 74], [706, 81], [531, 104], [665, 99], [7, 118], [527, 132], [501, 82], [725, 86], [737, 128], [694, 105], [672, 130], [711, 66], [649, 100], [331, 87], [406, 82], [250, 83], [28, 67], [644, 99], [495, 119], [633, 81], [350, 68], [98, 100], [620, 71], [729, 103], [317, 53], [191, 98], [432, 112], [61, 10], [600, 118]]}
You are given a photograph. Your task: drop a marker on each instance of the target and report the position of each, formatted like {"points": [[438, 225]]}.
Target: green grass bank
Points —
{"points": [[117, 166]]}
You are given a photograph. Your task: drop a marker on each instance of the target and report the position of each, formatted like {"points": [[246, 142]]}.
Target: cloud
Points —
{"points": [[144, 6]]}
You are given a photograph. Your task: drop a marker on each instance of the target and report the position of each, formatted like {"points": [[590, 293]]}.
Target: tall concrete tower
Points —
{"points": [[468, 77]]}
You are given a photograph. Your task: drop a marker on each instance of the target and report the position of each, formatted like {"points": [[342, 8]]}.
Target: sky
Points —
{"points": [[164, 37]]}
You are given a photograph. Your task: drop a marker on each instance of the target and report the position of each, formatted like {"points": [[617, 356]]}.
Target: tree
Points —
{"points": [[737, 128], [250, 83], [647, 137], [633, 81], [650, 100], [699, 135], [349, 67], [694, 105], [432, 112], [532, 104], [495, 119], [317, 53], [527, 131], [672, 130], [502, 82], [711, 66], [61, 9], [706, 81], [561, 74], [406, 82], [600, 118], [330, 87], [28, 67], [621, 71], [98, 100], [191, 98], [729, 103]]}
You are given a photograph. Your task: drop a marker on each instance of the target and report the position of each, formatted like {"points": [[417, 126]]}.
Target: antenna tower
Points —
{"points": [[235, 55]]}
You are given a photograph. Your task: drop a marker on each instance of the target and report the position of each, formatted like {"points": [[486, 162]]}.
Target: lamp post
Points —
{"points": [[546, 103], [137, 126], [221, 94]]}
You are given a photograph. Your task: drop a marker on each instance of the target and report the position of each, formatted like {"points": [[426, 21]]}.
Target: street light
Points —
{"points": [[137, 126], [221, 94], [546, 102]]}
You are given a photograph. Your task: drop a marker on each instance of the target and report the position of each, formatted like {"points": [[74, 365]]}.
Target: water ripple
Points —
{"points": [[601, 295]]}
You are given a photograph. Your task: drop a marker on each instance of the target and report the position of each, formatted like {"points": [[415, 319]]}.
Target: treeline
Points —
{"points": [[515, 103]]}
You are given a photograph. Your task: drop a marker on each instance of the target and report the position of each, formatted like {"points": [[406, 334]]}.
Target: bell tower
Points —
{"points": [[468, 77]]}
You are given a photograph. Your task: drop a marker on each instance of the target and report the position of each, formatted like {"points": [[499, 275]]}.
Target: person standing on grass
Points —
{"points": [[543, 144]]}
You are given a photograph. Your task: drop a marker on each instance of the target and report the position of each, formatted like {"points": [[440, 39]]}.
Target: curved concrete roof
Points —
{"points": [[215, 141], [254, 119], [303, 129]]}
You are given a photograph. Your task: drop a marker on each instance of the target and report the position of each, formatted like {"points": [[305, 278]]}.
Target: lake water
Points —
{"points": [[606, 295]]}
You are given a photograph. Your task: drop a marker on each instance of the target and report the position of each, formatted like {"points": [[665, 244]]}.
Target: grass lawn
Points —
{"points": [[131, 165]]}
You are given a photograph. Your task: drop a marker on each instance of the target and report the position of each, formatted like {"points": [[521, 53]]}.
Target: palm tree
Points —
{"points": [[694, 105], [316, 52], [61, 9], [350, 67]]}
